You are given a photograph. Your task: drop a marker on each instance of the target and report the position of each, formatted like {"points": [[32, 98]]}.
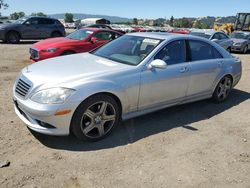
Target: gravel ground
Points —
{"points": [[200, 144]]}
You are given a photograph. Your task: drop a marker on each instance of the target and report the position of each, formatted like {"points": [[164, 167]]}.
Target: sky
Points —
{"points": [[150, 9]]}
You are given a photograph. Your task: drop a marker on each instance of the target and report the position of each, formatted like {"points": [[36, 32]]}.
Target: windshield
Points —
{"points": [[79, 34], [240, 35], [21, 20], [199, 34], [127, 49]]}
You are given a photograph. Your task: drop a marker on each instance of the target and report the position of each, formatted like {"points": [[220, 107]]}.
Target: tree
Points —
{"points": [[186, 23], [171, 21], [198, 24], [159, 22], [68, 18], [135, 21], [17, 15], [3, 5], [39, 14]]}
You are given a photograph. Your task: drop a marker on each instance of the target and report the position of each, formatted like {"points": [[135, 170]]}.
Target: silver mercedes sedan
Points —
{"points": [[90, 93], [216, 36]]}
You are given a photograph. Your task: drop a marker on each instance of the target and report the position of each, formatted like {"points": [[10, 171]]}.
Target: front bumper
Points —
{"points": [[237, 48], [32, 114]]}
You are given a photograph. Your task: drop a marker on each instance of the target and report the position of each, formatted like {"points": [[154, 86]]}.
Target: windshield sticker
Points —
{"points": [[106, 62], [152, 41]]}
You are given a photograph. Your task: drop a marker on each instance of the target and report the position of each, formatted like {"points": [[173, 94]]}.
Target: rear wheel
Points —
{"points": [[95, 118], [223, 89], [13, 37]]}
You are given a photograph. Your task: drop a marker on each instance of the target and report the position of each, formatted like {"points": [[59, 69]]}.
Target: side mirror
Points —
{"points": [[27, 23], [215, 40], [93, 40], [157, 64]]}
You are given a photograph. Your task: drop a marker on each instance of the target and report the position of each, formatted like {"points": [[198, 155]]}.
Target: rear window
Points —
{"points": [[202, 51], [46, 21]]}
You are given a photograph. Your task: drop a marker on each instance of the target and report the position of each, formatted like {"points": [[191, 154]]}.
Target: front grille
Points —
{"points": [[34, 54], [22, 88]]}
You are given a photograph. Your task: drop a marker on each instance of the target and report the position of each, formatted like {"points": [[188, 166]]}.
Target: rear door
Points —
{"points": [[206, 65], [45, 27]]}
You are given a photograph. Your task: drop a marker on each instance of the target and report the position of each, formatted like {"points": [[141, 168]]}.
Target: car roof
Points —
{"points": [[97, 29], [245, 32], [39, 17], [163, 36]]}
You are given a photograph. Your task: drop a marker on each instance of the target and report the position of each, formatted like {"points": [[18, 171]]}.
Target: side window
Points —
{"points": [[216, 36], [57, 22], [115, 36], [45, 21], [101, 36], [32, 21], [173, 53], [200, 50], [223, 36], [217, 55]]}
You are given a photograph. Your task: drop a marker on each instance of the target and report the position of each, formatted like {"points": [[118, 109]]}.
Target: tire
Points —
{"points": [[229, 49], [223, 89], [95, 118], [245, 49], [13, 37], [67, 53], [56, 34]]}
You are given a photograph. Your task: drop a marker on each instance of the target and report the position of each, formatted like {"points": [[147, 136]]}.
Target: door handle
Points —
{"points": [[220, 64], [184, 69]]}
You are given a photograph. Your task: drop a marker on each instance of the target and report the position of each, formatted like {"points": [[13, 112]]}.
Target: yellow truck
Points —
{"points": [[242, 23]]}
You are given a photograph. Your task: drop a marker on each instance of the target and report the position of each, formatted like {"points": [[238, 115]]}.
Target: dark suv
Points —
{"points": [[31, 28]]}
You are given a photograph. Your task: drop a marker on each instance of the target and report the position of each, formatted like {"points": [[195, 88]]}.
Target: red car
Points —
{"points": [[82, 40], [180, 31]]}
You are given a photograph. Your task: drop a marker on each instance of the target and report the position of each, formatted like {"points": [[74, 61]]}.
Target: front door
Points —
{"points": [[169, 85], [31, 29]]}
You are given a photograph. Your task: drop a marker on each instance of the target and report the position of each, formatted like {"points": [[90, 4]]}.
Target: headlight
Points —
{"points": [[237, 44], [50, 50], [52, 96]]}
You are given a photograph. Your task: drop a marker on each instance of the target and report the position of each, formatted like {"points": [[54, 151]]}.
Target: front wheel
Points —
{"points": [[223, 89], [245, 49], [13, 37], [95, 118]]}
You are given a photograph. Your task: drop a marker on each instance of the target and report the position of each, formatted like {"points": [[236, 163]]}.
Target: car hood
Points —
{"points": [[67, 69], [52, 43], [238, 40], [8, 25]]}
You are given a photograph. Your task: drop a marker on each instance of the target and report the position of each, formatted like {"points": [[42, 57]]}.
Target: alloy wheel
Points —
{"points": [[245, 50], [98, 119], [224, 88]]}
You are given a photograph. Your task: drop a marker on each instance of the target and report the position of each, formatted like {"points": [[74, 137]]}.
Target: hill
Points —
{"points": [[113, 19]]}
